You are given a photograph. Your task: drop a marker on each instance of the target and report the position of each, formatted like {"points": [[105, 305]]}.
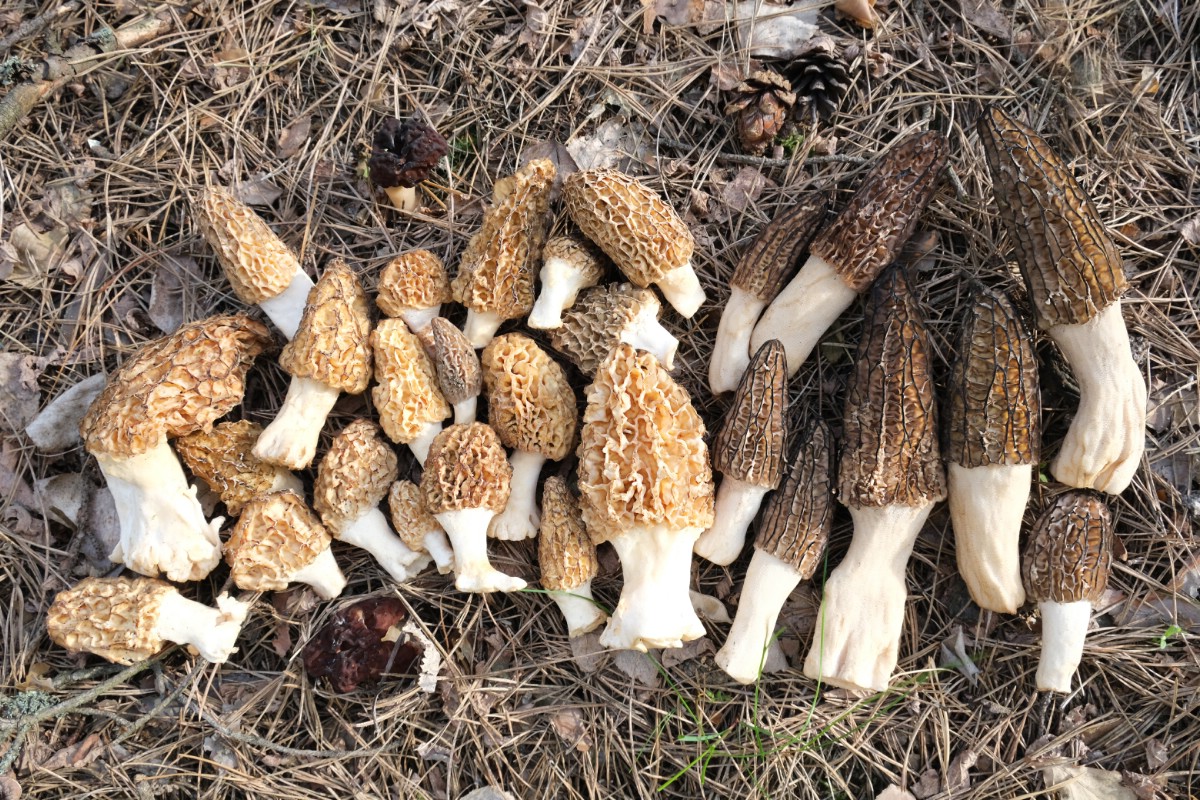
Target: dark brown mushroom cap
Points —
{"points": [[403, 153], [749, 446], [1070, 264], [174, 386], [566, 554], [224, 459], [799, 515], [890, 454], [354, 476], [332, 344], [1070, 552], [466, 468], [994, 413], [459, 373], [880, 218], [775, 253]]}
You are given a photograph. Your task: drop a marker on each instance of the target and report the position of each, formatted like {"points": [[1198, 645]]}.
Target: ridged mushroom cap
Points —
{"points": [[749, 446], [643, 235], [582, 255], [459, 373], [406, 394], [642, 457], [257, 264], [799, 516], [416, 279], [1069, 555], [592, 327], [530, 402], [332, 344], [223, 458], [114, 618], [890, 450], [566, 554], [403, 153], [466, 468], [174, 386], [410, 518], [354, 475], [775, 253], [276, 537]]}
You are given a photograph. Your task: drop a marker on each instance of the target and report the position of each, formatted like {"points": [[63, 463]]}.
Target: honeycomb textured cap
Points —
{"points": [[530, 402], [749, 446], [643, 235], [582, 255], [410, 517], [174, 386], [592, 327], [880, 218], [332, 344], [223, 458], [416, 279], [258, 265], [890, 452], [994, 410], [459, 373], [799, 516], [775, 253], [466, 468], [1070, 264], [566, 554], [1069, 555], [354, 476], [114, 618], [406, 394], [497, 270], [276, 537], [642, 457]]}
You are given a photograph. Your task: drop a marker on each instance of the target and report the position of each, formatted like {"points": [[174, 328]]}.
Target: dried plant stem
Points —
{"points": [[31, 27]]}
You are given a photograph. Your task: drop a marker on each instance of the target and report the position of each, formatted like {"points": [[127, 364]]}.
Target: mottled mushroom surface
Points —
{"points": [[222, 458], [1069, 554], [276, 537], [257, 264], [355, 474], [332, 344], [416, 279], [799, 515], [530, 402]]}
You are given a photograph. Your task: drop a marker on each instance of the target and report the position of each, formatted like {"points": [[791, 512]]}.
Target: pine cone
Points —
{"points": [[760, 107], [819, 77]]}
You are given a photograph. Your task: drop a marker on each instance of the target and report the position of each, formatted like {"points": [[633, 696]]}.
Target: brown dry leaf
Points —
{"points": [[37, 677], [674, 656], [638, 666], [588, 654], [77, 755], [101, 532], [293, 137], [745, 188], [61, 497], [1156, 755], [894, 792], [1190, 231], [710, 608], [1086, 783], [774, 30], [30, 255], [929, 784], [861, 11], [612, 142], [535, 29], [172, 292], [9, 788], [19, 393], [56, 427], [958, 778], [281, 641], [569, 725], [984, 15], [67, 203], [258, 191]]}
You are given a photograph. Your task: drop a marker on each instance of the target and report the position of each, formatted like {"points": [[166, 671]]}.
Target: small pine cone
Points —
{"points": [[760, 107], [819, 78]]}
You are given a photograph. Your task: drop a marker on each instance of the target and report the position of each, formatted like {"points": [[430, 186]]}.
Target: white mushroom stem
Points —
{"points": [[163, 529], [464, 411], [1104, 445], [803, 311], [1064, 627], [682, 289], [212, 631], [473, 572], [286, 308], [323, 575], [372, 533], [645, 332], [579, 609], [438, 547], [731, 353], [986, 507], [481, 327], [857, 639], [420, 445], [769, 581], [520, 518], [655, 609], [404, 198], [736, 506], [561, 284], [418, 320], [291, 438]]}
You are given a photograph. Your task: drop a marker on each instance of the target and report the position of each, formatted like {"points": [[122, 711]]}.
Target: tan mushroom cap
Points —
{"points": [[642, 457], [258, 265], [354, 475], [799, 516], [466, 468], [276, 537], [459, 373], [114, 618], [174, 386], [582, 255], [410, 517], [592, 327], [332, 344], [566, 554], [416, 279], [530, 402], [775, 253], [224, 460], [1069, 555], [406, 394], [750, 444], [643, 235]]}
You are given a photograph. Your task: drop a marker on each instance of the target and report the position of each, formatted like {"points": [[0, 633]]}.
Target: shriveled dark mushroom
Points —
{"points": [[402, 156], [360, 644]]}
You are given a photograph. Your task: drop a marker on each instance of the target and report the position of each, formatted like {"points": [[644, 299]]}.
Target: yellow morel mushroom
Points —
{"points": [[406, 395], [608, 315], [224, 460], [419, 529], [413, 286], [567, 558], [569, 265], [459, 373]]}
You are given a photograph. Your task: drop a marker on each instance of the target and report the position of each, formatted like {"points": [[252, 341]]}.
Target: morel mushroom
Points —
{"points": [[845, 257], [1066, 569], [174, 386], [261, 268], [760, 274], [417, 527], [125, 620], [748, 452], [567, 559], [222, 458], [992, 439], [569, 265], [645, 486], [1075, 281], [402, 156], [413, 287], [608, 315], [532, 407], [411, 408], [458, 371], [890, 477], [495, 276], [643, 236], [465, 484], [330, 354], [788, 550]]}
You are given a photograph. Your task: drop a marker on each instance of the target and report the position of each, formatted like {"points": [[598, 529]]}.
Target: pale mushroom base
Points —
{"points": [[287, 308], [481, 327], [520, 518], [736, 506], [1064, 628], [473, 572], [212, 632], [372, 533], [323, 575], [731, 353], [438, 547], [579, 609], [682, 289], [769, 582], [403, 198], [291, 439], [421, 443], [419, 322], [645, 332], [561, 284], [987, 505], [464, 412]]}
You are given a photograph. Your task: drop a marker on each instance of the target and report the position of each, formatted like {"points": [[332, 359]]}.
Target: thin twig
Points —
{"points": [[32, 27]]}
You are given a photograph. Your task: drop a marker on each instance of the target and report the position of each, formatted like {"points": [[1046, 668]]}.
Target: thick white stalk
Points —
{"points": [[986, 507], [560, 286], [682, 289], [286, 308], [372, 533], [481, 327], [323, 575], [419, 320], [857, 639], [163, 529], [645, 332], [420, 445], [464, 411], [520, 518], [291, 438], [737, 504], [438, 547], [473, 572], [769, 581], [1064, 627], [655, 609], [579, 609], [212, 631], [803, 311], [286, 481], [731, 353], [404, 198], [1104, 444]]}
